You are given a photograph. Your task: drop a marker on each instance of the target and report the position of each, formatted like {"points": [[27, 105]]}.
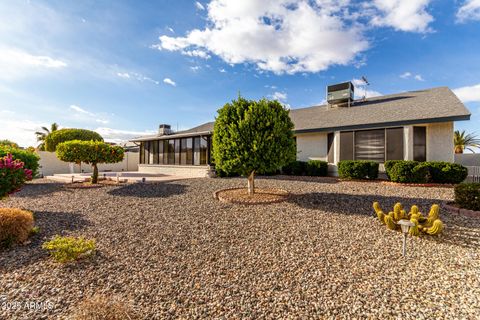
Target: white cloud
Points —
{"points": [[419, 77], [278, 36], [406, 75], [136, 76], [118, 136], [199, 6], [403, 15], [16, 63], [222, 70], [87, 116], [169, 81], [280, 96], [469, 93], [195, 68], [470, 10], [170, 29], [19, 129], [361, 90]]}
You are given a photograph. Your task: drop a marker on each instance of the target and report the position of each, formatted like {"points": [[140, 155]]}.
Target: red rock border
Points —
{"points": [[217, 196], [421, 185], [83, 185], [450, 207]]}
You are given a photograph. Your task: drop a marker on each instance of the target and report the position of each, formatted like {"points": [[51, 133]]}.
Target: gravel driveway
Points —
{"points": [[173, 251]]}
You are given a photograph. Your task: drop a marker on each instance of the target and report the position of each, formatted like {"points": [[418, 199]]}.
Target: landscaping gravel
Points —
{"points": [[172, 251]]}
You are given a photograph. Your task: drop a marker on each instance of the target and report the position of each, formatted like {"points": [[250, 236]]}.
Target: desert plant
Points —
{"points": [[30, 159], [464, 141], [8, 143], [42, 135], [63, 135], [358, 169], [90, 152], [431, 225], [100, 307], [467, 196], [251, 137], [12, 175], [15, 226], [68, 249], [317, 168]]}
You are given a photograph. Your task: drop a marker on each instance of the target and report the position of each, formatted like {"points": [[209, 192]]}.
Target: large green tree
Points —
{"points": [[464, 141], [42, 135], [9, 143], [252, 137], [63, 135], [90, 152]]}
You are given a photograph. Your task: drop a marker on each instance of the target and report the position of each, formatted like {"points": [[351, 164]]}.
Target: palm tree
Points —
{"points": [[42, 135], [464, 141]]}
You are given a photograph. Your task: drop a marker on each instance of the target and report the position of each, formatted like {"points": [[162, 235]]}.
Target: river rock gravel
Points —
{"points": [[172, 251]]}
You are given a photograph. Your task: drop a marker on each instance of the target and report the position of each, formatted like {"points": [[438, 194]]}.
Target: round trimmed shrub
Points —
{"points": [[317, 168], [403, 172], [15, 226], [63, 135], [358, 169], [447, 172], [467, 196], [295, 168]]}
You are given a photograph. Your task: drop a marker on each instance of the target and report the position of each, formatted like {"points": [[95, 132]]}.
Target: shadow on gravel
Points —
{"points": [[459, 231], [149, 190], [328, 180], [38, 190], [50, 224]]}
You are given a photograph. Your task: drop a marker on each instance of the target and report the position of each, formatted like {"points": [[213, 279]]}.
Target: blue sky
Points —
{"points": [[123, 67]]}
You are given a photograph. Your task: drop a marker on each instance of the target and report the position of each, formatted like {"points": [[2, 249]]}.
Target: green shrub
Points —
{"points": [[447, 172], [30, 159], [63, 135], [467, 196], [66, 249], [296, 168], [407, 171], [15, 226], [317, 168], [403, 172], [358, 169]]}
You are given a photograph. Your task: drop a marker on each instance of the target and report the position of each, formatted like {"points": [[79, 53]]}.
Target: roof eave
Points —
{"points": [[385, 124], [172, 136]]}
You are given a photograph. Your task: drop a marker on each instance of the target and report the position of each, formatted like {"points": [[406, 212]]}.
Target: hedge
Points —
{"points": [[63, 135], [30, 159], [316, 168], [467, 196], [296, 168], [358, 169], [407, 171]]}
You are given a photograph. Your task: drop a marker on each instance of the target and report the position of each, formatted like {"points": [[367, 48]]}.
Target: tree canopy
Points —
{"points": [[42, 135], [90, 152], [9, 143], [253, 137], [63, 135]]}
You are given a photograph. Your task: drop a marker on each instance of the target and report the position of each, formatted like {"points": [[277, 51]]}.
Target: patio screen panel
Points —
{"points": [[370, 145], [394, 138], [420, 143]]}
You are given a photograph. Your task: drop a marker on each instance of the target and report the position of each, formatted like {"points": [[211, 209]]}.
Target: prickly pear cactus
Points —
{"points": [[431, 225]]}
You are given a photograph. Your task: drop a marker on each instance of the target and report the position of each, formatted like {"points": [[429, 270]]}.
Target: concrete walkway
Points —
{"points": [[128, 176]]}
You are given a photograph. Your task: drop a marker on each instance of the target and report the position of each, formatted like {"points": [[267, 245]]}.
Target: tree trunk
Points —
{"points": [[458, 149], [251, 183], [95, 173]]}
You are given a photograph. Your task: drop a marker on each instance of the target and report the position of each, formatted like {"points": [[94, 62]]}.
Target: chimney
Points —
{"points": [[164, 129]]}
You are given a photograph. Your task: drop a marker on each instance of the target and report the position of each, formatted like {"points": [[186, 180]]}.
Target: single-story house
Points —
{"points": [[415, 125]]}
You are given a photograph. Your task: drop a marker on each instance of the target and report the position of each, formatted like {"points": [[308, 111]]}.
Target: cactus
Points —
{"points": [[431, 225], [390, 222], [436, 228]]}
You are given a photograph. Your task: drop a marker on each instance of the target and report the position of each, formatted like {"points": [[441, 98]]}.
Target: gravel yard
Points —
{"points": [[173, 251]]}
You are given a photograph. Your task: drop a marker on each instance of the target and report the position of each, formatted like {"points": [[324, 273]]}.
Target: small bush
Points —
{"points": [[296, 168], [467, 196], [389, 165], [358, 169], [407, 171], [447, 172], [30, 159], [103, 307], [67, 249], [15, 226], [317, 168], [12, 175]]}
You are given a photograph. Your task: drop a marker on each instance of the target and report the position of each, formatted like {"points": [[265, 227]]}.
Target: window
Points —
{"points": [[160, 151], [142, 152], [330, 149], [203, 149], [177, 151], [394, 144], [196, 151], [171, 151], [147, 152], [370, 145], [420, 143], [151, 152], [346, 145], [189, 151]]}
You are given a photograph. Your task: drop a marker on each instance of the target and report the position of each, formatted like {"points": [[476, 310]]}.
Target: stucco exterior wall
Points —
{"points": [[50, 164], [440, 142], [312, 146]]}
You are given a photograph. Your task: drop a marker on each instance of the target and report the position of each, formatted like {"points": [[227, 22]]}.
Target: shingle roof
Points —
{"points": [[422, 106]]}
